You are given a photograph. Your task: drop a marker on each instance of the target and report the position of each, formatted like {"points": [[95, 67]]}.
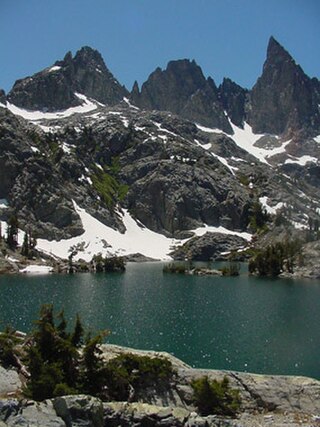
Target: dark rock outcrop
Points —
{"points": [[233, 98], [208, 247], [31, 183], [54, 88], [182, 89], [79, 410], [2, 96], [284, 99]]}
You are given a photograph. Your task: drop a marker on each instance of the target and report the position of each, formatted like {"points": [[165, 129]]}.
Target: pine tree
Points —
{"points": [[12, 232], [25, 245], [77, 336]]}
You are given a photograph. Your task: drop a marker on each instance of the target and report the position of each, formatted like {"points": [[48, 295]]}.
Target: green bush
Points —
{"points": [[108, 264], [177, 268], [215, 397], [55, 363], [275, 258], [133, 371], [233, 269], [8, 342], [109, 188]]}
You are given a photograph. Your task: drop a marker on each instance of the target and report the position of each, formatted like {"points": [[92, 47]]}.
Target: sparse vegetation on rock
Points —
{"points": [[215, 397]]}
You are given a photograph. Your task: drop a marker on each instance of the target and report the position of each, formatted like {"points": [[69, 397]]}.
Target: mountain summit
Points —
{"points": [[284, 99], [182, 89], [54, 88]]}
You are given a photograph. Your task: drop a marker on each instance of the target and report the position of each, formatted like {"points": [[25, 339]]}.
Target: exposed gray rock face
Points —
{"points": [[182, 89], [143, 414], [54, 88], [284, 99], [31, 182], [265, 400], [9, 381], [208, 247], [234, 98], [79, 410], [307, 263], [175, 187], [36, 415]]}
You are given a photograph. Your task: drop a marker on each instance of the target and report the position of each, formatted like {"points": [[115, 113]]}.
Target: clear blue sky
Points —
{"points": [[225, 37]]}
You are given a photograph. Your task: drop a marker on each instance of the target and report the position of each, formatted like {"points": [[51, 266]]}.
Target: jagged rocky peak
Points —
{"points": [[183, 89], [54, 88], [2, 96], [284, 99], [233, 98], [171, 87]]}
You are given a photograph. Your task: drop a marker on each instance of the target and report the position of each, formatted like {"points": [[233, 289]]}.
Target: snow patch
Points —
{"points": [[209, 130], [270, 209], [126, 100], [3, 204], [54, 68], [66, 147], [209, 228], [317, 138], [9, 258], [98, 237], [35, 149], [246, 139], [37, 269], [159, 126], [302, 161], [86, 106], [221, 159], [125, 121], [85, 178], [50, 129], [139, 128]]}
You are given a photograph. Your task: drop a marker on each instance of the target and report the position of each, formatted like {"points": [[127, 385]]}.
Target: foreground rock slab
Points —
{"points": [[266, 400]]}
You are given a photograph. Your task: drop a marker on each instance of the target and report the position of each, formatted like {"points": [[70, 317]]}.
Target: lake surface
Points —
{"points": [[238, 323]]}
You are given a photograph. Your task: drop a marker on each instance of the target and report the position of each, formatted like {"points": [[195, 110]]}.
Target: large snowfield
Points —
{"points": [[98, 238]]}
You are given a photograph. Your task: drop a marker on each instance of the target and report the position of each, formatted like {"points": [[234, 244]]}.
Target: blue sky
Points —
{"points": [[225, 37]]}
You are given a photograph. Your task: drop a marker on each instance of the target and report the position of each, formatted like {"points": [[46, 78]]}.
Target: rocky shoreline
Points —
{"points": [[265, 400]]}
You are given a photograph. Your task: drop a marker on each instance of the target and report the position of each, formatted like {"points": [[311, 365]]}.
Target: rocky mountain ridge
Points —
{"points": [[55, 88], [92, 149]]}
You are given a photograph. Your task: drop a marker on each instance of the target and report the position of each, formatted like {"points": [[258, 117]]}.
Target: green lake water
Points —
{"points": [[241, 323]]}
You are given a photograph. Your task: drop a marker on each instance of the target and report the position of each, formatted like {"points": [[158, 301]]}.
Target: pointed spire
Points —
{"points": [[135, 88], [277, 53]]}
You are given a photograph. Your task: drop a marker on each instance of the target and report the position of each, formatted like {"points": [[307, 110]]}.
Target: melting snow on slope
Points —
{"points": [[209, 130], [126, 100], [40, 115], [137, 239], [211, 229], [221, 159], [270, 209], [303, 160], [246, 139]]}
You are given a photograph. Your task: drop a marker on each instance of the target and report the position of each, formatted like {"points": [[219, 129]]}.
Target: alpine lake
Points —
{"points": [[236, 323]]}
